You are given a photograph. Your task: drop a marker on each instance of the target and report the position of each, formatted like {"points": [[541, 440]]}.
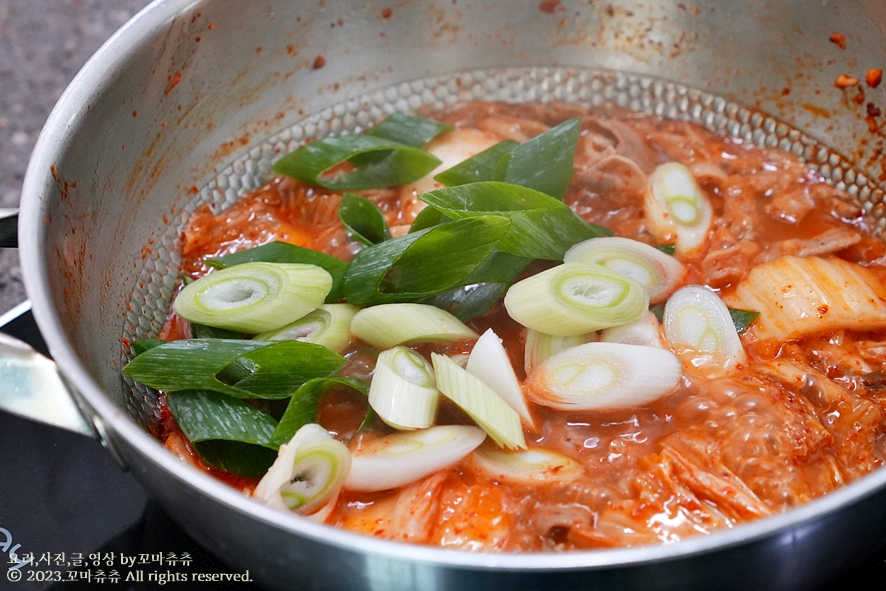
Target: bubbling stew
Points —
{"points": [[529, 327]]}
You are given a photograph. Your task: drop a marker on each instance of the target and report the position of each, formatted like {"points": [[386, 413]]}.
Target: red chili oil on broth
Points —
{"points": [[712, 454]]}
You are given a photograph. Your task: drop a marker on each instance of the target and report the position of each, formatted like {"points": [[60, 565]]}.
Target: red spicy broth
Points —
{"points": [[712, 454]]}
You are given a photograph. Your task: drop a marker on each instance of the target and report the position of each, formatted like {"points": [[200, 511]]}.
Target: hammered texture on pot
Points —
{"points": [[589, 88]]}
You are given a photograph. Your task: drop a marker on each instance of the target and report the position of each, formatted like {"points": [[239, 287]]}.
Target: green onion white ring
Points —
{"points": [[254, 297], [403, 458], [403, 391], [604, 376], [657, 272], [575, 298], [533, 466], [387, 325], [676, 209], [329, 325], [308, 473], [490, 362], [699, 327], [645, 330], [540, 346]]}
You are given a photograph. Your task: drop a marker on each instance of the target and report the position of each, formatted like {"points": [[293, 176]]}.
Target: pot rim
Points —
{"points": [[53, 140]]}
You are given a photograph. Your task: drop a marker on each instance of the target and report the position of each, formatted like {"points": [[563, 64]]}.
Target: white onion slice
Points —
{"points": [[604, 376], [531, 466], [490, 362], [657, 272], [402, 458], [700, 329]]}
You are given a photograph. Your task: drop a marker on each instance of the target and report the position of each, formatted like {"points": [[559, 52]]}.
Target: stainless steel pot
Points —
{"points": [[192, 100]]}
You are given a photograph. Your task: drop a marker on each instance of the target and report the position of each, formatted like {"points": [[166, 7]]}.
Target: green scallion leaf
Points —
{"points": [[482, 288], [742, 318], [304, 405], [238, 368], [202, 331], [541, 226], [380, 162], [226, 433], [283, 252], [667, 248], [363, 219], [544, 163], [422, 264], [481, 167], [142, 345], [410, 130], [427, 218]]}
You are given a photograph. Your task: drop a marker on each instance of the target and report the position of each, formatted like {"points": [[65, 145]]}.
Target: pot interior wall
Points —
{"points": [[178, 112]]}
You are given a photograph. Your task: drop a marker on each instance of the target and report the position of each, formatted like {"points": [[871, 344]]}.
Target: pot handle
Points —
{"points": [[31, 387]]}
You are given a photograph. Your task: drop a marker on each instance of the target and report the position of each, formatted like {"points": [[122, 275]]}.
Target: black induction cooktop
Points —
{"points": [[86, 524]]}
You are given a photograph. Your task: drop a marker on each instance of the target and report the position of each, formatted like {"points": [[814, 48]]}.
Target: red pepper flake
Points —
{"points": [[211, 26], [859, 98], [319, 62], [873, 77], [549, 6], [173, 80], [873, 111], [193, 190], [822, 310], [135, 113], [844, 81], [386, 13], [197, 39], [838, 39], [785, 91]]}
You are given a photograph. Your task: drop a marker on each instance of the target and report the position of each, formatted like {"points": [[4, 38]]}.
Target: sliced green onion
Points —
{"points": [[226, 433], [480, 167], [541, 226], [410, 130], [676, 209], [532, 466], [490, 362], [645, 330], [400, 459], [427, 218], [700, 329], [381, 163], [201, 331], [329, 325], [308, 473], [604, 376], [657, 272], [540, 346], [480, 402], [283, 252], [239, 368], [424, 263], [363, 219], [304, 406], [254, 297], [142, 345], [403, 392], [388, 325], [483, 287], [544, 163], [575, 298]]}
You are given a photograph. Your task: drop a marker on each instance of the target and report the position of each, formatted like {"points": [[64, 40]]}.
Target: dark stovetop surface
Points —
{"points": [[63, 499]]}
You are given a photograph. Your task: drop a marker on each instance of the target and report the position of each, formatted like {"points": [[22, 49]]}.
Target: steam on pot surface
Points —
{"points": [[528, 327]]}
